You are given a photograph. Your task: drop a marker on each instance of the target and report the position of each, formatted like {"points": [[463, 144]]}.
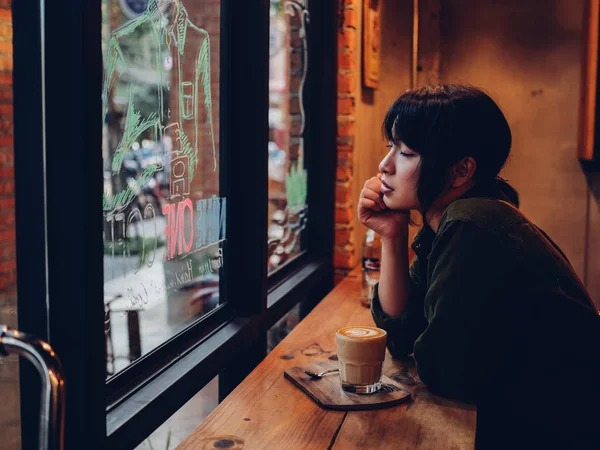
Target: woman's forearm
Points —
{"points": [[394, 281]]}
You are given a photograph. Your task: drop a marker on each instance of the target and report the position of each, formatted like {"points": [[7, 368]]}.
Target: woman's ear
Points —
{"points": [[463, 171]]}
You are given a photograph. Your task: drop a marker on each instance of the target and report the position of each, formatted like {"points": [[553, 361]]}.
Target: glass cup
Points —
{"points": [[361, 351], [372, 278]]}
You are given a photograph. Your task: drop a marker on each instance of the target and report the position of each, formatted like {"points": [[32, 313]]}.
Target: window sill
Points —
{"points": [[295, 287], [132, 420]]}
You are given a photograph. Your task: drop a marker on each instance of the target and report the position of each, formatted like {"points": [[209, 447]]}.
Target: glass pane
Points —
{"points": [[283, 327], [288, 322], [181, 424], [164, 221], [10, 418], [288, 63]]}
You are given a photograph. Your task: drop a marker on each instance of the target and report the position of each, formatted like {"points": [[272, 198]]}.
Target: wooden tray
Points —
{"points": [[327, 392]]}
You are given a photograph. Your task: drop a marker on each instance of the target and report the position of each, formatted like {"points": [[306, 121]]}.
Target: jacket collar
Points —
{"points": [[425, 236]]}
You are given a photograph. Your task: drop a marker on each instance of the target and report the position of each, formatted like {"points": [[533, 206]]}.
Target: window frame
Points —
{"points": [[61, 291]]}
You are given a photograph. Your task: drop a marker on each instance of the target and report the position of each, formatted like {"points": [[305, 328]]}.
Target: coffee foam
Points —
{"points": [[361, 332]]}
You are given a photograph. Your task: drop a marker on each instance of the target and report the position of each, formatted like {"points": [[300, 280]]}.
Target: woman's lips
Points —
{"points": [[385, 189]]}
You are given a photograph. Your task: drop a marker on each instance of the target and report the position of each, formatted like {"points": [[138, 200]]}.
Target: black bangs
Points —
{"points": [[414, 117]]}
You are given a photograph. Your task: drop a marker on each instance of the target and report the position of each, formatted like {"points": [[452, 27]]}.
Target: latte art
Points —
{"points": [[361, 332]]}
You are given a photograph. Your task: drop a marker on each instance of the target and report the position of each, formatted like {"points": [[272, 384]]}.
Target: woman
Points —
{"points": [[490, 307]]}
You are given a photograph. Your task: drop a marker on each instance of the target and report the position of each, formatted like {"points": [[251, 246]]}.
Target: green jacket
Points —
{"points": [[493, 302]]}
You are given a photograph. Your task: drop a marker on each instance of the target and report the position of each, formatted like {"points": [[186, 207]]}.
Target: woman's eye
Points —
{"points": [[407, 155], [389, 145]]}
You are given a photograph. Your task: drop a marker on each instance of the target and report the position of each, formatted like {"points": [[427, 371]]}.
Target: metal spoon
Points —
{"points": [[316, 376]]}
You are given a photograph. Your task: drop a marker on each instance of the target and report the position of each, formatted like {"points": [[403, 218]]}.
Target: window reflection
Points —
{"points": [[164, 221], [288, 64], [181, 424]]}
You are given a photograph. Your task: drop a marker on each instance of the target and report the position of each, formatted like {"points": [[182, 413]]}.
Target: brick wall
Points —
{"points": [[345, 247], [10, 429], [205, 14], [296, 65], [7, 199]]}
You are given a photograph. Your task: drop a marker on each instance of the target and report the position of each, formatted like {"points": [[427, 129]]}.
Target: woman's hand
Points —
{"points": [[373, 213]]}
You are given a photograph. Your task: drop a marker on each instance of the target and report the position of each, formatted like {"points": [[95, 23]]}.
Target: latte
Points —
{"points": [[361, 351], [361, 332]]}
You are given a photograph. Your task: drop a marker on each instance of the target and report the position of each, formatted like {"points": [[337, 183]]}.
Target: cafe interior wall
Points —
{"points": [[527, 56], [361, 111]]}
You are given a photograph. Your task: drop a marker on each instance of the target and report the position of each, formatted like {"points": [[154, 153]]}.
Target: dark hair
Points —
{"points": [[445, 124]]}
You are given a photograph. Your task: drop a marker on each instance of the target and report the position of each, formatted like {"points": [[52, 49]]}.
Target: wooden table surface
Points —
{"points": [[266, 411]]}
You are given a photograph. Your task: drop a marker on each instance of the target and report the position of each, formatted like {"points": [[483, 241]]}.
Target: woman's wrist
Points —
{"points": [[399, 238]]}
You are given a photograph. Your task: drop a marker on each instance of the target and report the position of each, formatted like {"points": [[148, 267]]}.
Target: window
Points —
{"points": [[164, 217], [288, 64], [152, 277]]}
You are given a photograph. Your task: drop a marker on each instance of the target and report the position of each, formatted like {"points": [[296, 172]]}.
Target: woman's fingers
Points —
{"points": [[374, 196], [374, 184], [366, 203]]}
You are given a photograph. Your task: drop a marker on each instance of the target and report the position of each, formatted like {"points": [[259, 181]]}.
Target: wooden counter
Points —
{"points": [[266, 411]]}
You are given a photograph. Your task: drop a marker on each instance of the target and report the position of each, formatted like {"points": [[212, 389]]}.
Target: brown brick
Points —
{"points": [[345, 150], [7, 203], [350, 3], [6, 141], [296, 125], [350, 18], [347, 38], [7, 172], [296, 42], [346, 60], [295, 20], [7, 219], [294, 105], [295, 80], [296, 62], [343, 257], [7, 158], [345, 141], [342, 192], [5, 14], [7, 188], [6, 47], [6, 110], [342, 237], [343, 173], [343, 215], [346, 126], [293, 149], [7, 266], [345, 105], [8, 253], [344, 159], [345, 83], [7, 235]]}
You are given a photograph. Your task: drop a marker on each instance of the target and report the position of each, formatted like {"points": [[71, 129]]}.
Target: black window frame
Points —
{"points": [[59, 250]]}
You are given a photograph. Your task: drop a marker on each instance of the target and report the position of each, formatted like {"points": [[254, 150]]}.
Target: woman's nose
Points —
{"points": [[384, 165]]}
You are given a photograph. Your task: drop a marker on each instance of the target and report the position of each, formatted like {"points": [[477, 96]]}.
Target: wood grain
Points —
{"points": [[328, 392], [267, 411]]}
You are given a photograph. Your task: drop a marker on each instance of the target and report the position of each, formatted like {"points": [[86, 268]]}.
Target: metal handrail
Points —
{"points": [[41, 355]]}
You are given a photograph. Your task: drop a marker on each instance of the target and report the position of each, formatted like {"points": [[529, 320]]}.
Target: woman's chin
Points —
{"points": [[390, 203], [396, 205]]}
